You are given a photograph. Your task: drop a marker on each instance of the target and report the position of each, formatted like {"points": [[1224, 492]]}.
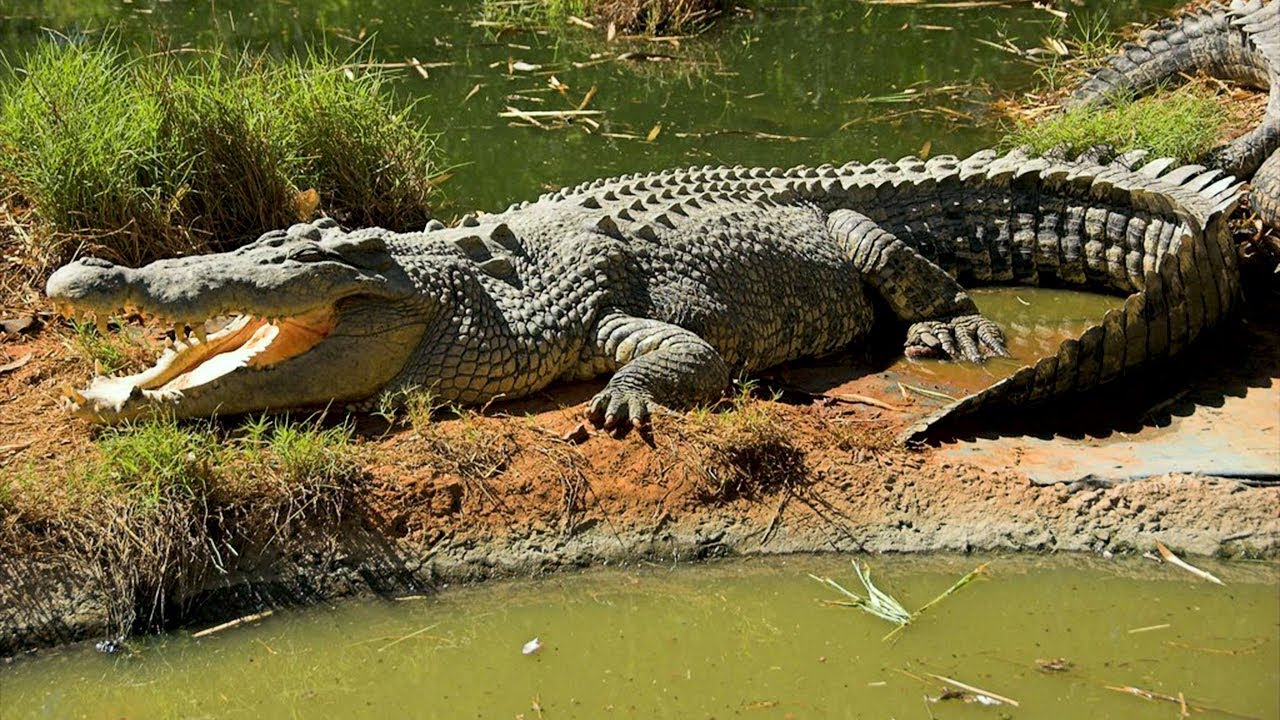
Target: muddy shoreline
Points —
{"points": [[47, 600], [521, 490]]}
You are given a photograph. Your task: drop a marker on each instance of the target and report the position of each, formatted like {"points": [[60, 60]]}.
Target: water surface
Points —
{"points": [[797, 83], [735, 639]]}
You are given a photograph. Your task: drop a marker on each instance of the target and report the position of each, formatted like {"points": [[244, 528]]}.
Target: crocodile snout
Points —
{"points": [[90, 283]]}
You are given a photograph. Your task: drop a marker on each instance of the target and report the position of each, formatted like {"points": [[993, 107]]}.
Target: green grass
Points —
{"points": [[156, 461], [1182, 124], [139, 156], [163, 461]]}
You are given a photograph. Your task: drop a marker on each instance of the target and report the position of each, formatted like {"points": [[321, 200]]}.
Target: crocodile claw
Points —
{"points": [[614, 408], [971, 337]]}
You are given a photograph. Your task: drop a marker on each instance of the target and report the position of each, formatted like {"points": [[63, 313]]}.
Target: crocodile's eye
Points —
{"points": [[308, 253]]}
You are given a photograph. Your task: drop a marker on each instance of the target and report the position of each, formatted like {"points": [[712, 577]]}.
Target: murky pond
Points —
{"points": [[733, 639], [1035, 322]]}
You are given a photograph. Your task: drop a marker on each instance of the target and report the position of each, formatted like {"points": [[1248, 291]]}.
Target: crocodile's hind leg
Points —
{"points": [[944, 320], [661, 364]]}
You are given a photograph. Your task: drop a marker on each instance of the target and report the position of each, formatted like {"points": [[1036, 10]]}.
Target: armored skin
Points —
{"points": [[673, 282]]}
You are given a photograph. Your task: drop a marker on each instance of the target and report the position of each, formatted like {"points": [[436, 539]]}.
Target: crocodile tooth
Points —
{"points": [[101, 322], [201, 334]]}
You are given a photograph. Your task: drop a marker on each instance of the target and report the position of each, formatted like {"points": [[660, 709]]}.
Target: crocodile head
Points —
{"points": [[316, 316]]}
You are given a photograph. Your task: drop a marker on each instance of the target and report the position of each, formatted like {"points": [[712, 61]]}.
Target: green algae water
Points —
{"points": [[1035, 321], [734, 639]]}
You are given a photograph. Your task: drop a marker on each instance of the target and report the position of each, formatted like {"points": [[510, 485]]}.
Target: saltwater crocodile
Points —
{"points": [[1237, 43], [675, 281]]}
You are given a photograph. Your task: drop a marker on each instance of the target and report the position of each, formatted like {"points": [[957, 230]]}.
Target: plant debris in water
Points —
{"points": [[885, 606]]}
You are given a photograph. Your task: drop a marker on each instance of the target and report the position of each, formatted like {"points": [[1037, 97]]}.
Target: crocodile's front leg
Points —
{"points": [[661, 364], [945, 321]]}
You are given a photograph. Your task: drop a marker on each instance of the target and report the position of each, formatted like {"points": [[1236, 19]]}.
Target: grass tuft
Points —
{"points": [[135, 157], [107, 353], [741, 450], [162, 508], [1183, 124], [155, 462]]}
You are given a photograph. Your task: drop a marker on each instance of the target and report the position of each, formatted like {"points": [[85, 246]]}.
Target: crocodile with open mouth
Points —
{"points": [[673, 282]]}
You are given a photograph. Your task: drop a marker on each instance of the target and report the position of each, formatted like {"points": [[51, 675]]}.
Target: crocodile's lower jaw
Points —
{"points": [[247, 344]]}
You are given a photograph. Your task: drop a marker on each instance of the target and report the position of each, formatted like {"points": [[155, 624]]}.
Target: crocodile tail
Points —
{"points": [[1246, 155], [1211, 39], [1266, 191], [1191, 284]]}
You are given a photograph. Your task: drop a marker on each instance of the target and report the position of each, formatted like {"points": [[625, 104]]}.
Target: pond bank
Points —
{"points": [[504, 494]]}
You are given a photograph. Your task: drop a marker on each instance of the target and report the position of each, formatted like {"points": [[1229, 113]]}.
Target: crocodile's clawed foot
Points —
{"points": [[971, 337], [617, 408]]}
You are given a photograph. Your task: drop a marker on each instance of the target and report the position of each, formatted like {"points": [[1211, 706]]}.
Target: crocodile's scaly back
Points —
{"points": [[1155, 232]]}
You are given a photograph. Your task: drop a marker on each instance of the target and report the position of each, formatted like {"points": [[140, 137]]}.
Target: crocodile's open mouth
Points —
{"points": [[246, 343]]}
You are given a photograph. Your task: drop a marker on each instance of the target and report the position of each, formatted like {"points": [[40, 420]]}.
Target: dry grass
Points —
{"points": [[640, 17], [740, 450], [159, 510]]}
